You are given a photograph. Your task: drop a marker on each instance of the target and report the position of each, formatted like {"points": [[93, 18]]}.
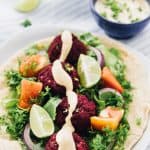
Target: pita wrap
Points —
{"points": [[136, 74], [139, 77]]}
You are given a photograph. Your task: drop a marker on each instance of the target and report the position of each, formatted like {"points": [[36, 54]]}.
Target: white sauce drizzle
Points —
{"points": [[64, 137], [60, 76], [66, 44], [131, 10]]}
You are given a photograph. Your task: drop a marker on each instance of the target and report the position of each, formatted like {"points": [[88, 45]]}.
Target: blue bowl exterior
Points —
{"points": [[117, 30]]}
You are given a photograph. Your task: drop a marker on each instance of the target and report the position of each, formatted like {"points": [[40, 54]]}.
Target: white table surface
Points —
{"points": [[73, 12]]}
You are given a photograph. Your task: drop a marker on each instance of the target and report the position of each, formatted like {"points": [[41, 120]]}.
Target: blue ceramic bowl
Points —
{"points": [[118, 30]]}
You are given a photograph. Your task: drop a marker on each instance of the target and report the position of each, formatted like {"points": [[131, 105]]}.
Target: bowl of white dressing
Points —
{"points": [[121, 18]]}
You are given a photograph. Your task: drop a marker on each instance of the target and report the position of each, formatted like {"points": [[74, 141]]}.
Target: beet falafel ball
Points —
{"points": [[78, 48], [79, 142], [81, 116], [45, 76]]}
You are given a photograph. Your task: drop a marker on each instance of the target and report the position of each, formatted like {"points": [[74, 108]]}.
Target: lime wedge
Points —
{"points": [[40, 122], [89, 71], [27, 5]]}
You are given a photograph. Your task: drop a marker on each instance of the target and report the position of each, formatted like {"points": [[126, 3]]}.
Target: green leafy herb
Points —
{"points": [[43, 97], [3, 120], [89, 39], [15, 121], [101, 140], [13, 78], [51, 106], [115, 52], [91, 93], [92, 54], [104, 14], [135, 20], [11, 103], [111, 99], [113, 4], [31, 51], [138, 121], [18, 119], [121, 78], [96, 143], [26, 23], [121, 136], [140, 9]]}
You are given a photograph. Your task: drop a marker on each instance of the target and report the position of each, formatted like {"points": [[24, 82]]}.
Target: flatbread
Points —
{"points": [[136, 74], [139, 77]]}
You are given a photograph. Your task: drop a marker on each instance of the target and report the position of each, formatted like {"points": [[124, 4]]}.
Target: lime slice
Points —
{"points": [[40, 122], [27, 5], [89, 71]]}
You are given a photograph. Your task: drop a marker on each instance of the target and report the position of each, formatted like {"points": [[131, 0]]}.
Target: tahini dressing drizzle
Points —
{"points": [[64, 137]]}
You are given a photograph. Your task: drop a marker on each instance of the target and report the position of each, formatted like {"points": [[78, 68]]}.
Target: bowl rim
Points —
{"points": [[92, 6]]}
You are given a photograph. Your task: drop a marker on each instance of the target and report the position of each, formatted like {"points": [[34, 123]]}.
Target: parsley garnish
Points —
{"points": [[31, 51], [15, 121], [104, 14], [13, 78], [26, 23], [138, 121], [89, 39], [114, 7], [135, 20], [140, 9]]}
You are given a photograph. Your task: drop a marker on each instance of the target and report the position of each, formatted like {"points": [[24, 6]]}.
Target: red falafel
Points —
{"points": [[79, 142], [78, 48], [81, 116], [45, 76]]}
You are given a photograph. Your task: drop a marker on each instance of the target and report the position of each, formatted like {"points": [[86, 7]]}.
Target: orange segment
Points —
{"points": [[115, 112], [29, 90], [31, 65], [109, 117], [100, 123]]}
